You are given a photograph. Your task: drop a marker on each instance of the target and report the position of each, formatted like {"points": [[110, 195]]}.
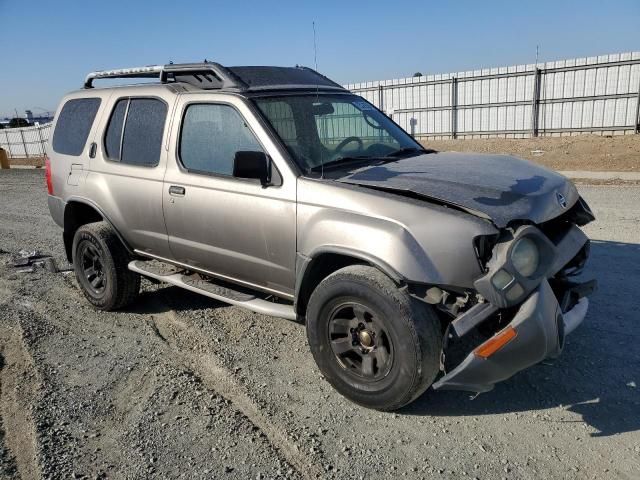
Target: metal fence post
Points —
{"points": [[24, 145], [535, 102], [39, 128], [637, 127], [454, 107]]}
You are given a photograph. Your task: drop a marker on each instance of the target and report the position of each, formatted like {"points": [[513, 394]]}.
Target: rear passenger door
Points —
{"points": [[129, 165], [234, 228]]}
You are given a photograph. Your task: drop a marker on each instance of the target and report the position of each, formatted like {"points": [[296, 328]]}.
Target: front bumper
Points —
{"points": [[540, 327]]}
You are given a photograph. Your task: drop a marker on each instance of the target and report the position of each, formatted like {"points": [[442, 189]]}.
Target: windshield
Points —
{"points": [[323, 129]]}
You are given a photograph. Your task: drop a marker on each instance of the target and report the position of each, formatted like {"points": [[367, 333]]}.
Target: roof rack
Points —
{"points": [[207, 75], [211, 75]]}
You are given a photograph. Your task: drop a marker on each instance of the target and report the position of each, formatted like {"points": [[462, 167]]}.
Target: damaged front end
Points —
{"points": [[527, 302]]}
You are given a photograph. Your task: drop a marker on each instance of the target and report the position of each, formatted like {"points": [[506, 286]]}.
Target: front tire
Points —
{"points": [[376, 345], [100, 262]]}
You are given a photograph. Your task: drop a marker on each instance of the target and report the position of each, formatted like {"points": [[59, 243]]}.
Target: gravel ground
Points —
{"points": [[183, 386]]}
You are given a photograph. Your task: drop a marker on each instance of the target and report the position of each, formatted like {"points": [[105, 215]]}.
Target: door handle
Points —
{"points": [[176, 191]]}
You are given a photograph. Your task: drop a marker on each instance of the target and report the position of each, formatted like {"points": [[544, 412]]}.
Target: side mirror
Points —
{"points": [[255, 165]]}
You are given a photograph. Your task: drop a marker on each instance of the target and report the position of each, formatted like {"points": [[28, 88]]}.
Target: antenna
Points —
{"points": [[537, 51], [315, 62], [315, 48]]}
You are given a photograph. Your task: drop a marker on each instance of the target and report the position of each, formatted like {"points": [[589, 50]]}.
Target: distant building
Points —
{"points": [[42, 118]]}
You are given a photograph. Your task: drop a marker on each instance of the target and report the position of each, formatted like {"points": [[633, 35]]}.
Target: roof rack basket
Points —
{"points": [[206, 75]]}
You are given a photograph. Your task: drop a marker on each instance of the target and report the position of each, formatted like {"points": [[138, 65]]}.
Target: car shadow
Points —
{"points": [[597, 374], [172, 298]]}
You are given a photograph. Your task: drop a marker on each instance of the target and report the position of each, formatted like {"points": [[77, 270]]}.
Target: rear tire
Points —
{"points": [[375, 344], [100, 262]]}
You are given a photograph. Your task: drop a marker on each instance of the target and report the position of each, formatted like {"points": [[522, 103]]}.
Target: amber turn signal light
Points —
{"points": [[495, 343]]}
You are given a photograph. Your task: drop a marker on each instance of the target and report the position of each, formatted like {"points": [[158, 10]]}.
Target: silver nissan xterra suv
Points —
{"points": [[277, 190]]}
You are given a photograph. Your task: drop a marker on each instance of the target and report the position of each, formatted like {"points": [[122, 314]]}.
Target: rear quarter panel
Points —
{"points": [[64, 184]]}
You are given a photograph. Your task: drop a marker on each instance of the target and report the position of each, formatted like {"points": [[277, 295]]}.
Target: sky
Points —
{"points": [[48, 47]]}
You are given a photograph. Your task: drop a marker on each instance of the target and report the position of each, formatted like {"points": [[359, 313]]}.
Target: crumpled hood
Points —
{"points": [[499, 187]]}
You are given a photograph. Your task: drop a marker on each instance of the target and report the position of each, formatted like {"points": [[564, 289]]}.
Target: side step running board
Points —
{"points": [[211, 290]]}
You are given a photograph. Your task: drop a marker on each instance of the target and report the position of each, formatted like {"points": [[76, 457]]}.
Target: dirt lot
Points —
{"points": [[180, 386], [620, 153]]}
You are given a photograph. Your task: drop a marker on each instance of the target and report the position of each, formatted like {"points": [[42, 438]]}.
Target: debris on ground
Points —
{"points": [[48, 263], [25, 270], [25, 257], [26, 261], [21, 261]]}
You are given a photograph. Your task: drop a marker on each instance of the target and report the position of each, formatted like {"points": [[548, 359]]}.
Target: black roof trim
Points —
{"points": [[213, 76]]}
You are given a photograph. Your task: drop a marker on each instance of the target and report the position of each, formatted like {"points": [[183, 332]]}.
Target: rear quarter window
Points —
{"points": [[74, 124]]}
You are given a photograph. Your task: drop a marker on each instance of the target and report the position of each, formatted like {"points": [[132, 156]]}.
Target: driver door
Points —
{"points": [[233, 228]]}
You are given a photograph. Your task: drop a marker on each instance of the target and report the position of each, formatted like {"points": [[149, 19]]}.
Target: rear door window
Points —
{"points": [[74, 124], [135, 130], [113, 138]]}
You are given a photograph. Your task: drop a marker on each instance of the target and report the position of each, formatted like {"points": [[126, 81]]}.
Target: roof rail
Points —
{"points": [[137, 72], [206, 75]]}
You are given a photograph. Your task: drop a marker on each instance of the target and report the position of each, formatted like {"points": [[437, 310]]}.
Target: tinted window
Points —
{"points": [[74, 124], [211, 135], [344, 121], [331, 127], [143, 128], [143, 131], [113, 138], [282, 120]]}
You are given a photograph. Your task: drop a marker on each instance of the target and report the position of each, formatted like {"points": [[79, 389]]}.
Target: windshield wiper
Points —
{"points": [[390, 157], [408, 150], [338, 162]]}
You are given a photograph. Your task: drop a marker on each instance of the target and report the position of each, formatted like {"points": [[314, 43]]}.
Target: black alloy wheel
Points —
{"points": [[92, 267], [360, 341]]}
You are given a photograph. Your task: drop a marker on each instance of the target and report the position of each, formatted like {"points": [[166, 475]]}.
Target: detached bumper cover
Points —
{"points": [[540, 326]]}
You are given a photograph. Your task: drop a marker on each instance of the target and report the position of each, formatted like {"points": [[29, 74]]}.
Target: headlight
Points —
{"points": [[525, 257]]}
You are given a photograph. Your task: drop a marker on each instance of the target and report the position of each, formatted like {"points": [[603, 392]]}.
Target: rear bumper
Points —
{"points": [[56, 209], [540, 327]]}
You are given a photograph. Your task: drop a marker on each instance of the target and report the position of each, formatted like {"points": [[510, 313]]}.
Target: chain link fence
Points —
{"points": [[25, 142]]}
